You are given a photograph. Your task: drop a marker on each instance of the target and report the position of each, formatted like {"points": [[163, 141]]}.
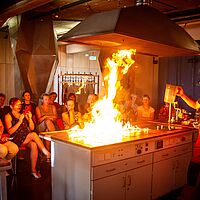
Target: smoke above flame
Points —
{"points": [[105, 126]]}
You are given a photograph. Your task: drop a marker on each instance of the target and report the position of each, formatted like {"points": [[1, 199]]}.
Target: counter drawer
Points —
{"points": [[172, 152], [120, 166], [184, 149], [164, 154]]}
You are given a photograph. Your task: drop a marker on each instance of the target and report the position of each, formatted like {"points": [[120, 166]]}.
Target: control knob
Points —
{"points": [[139, 151]]}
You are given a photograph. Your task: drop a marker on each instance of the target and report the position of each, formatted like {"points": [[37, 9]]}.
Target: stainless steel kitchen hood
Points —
{"points": [[141, 27]]}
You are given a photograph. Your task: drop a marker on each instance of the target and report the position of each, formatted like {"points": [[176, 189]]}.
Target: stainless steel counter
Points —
{"points": [[152, 130]]}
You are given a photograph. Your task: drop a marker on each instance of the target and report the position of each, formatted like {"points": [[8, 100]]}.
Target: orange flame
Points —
{"points": [[105, 127]]}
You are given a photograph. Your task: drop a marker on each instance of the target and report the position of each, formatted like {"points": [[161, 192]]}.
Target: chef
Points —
{"points": [[196, 105]]}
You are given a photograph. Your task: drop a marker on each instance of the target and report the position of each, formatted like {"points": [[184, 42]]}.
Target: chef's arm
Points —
{"points": [[191, 102]]}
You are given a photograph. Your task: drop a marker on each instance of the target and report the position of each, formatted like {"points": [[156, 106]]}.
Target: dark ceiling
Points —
{"points": [[180, 11]]}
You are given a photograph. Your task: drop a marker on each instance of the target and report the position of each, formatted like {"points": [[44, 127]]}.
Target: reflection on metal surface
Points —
{"points": [[141, 27], [36, 53]]}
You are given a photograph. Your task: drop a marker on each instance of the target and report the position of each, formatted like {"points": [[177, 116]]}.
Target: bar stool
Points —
{"points": [[3, 182]]}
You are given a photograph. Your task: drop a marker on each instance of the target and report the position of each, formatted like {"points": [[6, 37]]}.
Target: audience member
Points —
{"points": [[2, 99], [87, 108], [52, 98], [130, 112], [126, 111], [46, 115], [20, 127], [59, 110], [134, 105], [3, 109], [72, 96], [92, 98], [145, 112], [28, 105], [71, 117], [163, 114], [8, 149]]}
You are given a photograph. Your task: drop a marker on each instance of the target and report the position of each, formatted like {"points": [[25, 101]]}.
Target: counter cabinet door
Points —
{"points": [[181, 170], [109, 188], [138, 183], [163, 177]]}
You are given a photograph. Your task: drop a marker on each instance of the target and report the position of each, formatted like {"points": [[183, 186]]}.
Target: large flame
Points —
{"points": [[105, 126]]}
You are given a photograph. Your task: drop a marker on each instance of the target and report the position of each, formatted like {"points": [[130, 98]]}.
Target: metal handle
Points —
{"points": [[111, 170], [129, 180], [177, 164], [173, 166], [164, 155], [124, 181], [141, 161]]}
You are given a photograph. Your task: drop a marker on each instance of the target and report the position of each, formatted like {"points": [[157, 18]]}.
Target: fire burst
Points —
{"points": [[105, 126]]}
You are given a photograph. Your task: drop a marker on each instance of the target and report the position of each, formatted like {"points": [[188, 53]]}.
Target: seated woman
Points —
{"points": [[71, 117], [20, 127], [46, 115], [72, 96], [52, 98], [145, 112], [8, 149]]}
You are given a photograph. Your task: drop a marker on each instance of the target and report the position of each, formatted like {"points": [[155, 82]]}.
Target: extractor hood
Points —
{"points": [[141, 27]]}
